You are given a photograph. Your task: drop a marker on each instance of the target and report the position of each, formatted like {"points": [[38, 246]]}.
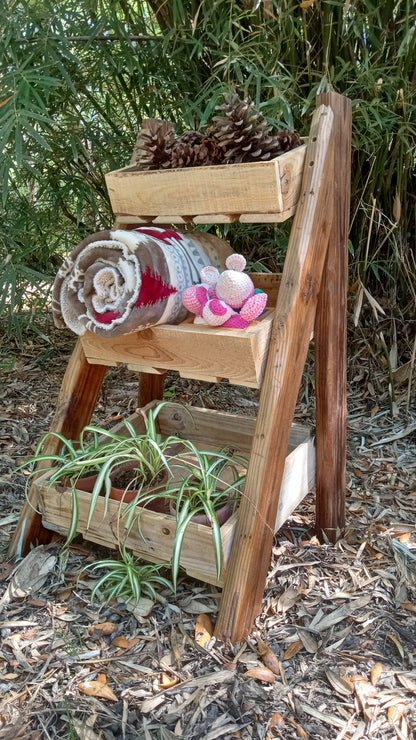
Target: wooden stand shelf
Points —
{"points": [[313, 183], [217, 194]]}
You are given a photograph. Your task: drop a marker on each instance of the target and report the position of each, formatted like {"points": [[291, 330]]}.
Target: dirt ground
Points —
{"points": [[332, 654]]}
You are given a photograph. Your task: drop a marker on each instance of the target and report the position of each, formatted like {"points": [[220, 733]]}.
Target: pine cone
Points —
{"points": [[238, 129], [194, 149], [153, 147], [245, 136], [288, 140]]}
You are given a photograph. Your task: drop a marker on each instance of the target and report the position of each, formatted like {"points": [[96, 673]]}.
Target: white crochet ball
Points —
{"points": [[234, 288]]}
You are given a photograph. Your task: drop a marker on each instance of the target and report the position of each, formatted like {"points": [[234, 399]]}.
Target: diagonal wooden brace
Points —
{"points": [[77, 399]]}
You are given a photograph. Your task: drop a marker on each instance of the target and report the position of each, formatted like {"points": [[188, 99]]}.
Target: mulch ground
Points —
{"points": [[332, 654]]}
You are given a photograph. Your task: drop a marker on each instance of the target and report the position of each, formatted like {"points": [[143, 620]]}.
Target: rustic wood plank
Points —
{"points": [[298, 479], [158, 530], [209, 428], [269, 282], [130, 221], [172, 219], [236, 354], [331, 338], [151, 388], [295, 312], [76, 402], [267, 218], [223, 189], [291, 173], [215, 218]]}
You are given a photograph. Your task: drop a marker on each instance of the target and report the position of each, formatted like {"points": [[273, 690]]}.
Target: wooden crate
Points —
{"points": [[208, 430], [194, 350], [209, 193]]}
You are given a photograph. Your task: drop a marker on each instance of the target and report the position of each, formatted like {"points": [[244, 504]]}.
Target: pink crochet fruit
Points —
{"points": [[225, 299]]}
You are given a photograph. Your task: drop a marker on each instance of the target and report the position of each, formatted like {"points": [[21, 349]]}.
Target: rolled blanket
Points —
{"points": [[118, 282]]}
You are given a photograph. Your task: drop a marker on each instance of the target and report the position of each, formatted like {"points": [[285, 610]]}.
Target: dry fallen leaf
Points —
{"points": [[275, 720], [299, 729], [376, 672], [405, 537], [288, 598], [339, 684], [268, 657], [98, 689], [409, 606], [293, 649], [203, 629], [309, 642], [397, 643], [37, 602], [65, 594], [396, 712], [167, 681], [407, 681], [262, 674], [364, 691], [121, 641], [306, 4], [104, 628]]}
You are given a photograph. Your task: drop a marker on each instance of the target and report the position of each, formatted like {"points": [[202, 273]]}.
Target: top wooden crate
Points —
{"points": [[269, 188]]}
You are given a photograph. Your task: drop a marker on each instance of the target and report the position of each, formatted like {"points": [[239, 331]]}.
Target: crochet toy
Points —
{"points": [[226, 299]]}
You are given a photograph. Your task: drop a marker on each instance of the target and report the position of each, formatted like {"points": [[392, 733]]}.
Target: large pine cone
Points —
{"points": [[194, 149], [153, 147], [245, 136]]}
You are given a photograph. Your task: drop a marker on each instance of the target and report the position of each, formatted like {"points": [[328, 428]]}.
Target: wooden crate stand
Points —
{"points": [[311, 300]]}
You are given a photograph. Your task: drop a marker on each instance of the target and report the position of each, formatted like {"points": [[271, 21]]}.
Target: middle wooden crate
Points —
{"points": [[209, 430], [194, 350]]}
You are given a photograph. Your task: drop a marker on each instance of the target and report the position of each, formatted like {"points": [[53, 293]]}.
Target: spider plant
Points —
{"points": [[103, 454], [207, 481], [126, 580]]}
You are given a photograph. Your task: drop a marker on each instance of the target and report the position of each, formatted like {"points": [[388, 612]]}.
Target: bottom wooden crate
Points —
{"points": [[154, 542]]}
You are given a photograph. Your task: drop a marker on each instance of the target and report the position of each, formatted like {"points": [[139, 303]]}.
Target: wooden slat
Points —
{"points": [[151, 388], [211, 429], [77, 399], [267, 218], [215, 218], [298, 479], [172, 219], [236, 354], [224, 189], [295, 312], [158, 530], [122, 222], [331, 338]]}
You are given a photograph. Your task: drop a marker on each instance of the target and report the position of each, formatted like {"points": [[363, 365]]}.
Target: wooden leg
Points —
{"points": [[295, 314], [331, 338], [77, 399], [151, 388]]}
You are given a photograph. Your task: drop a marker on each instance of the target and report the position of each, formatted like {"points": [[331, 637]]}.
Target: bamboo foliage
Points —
{"points": [[77, 79]]}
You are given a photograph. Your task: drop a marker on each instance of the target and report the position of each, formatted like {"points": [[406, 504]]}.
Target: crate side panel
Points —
{"points": [[189, 347], [298, 480], [291, 167], [222, 189], [212, 429], [153, 542]]}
